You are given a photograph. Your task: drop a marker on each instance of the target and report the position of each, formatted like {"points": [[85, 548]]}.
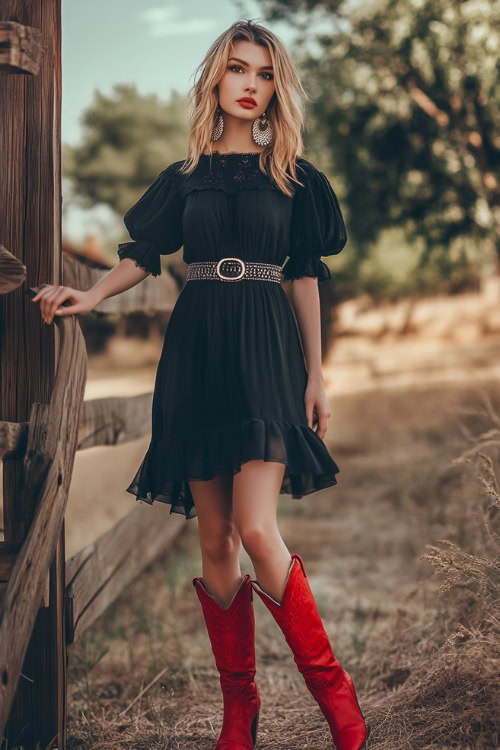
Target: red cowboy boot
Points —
{"points": [[232, 635], [330, 685]]}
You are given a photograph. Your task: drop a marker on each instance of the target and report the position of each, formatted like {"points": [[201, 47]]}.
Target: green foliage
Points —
{"points": [[405, 94], [128, 139], [393, 268]]}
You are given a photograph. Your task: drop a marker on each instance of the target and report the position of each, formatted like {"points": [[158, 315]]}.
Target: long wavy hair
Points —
{"points": [[285, 109]]}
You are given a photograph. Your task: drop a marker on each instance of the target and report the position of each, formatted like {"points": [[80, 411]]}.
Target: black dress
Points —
{"points": [[231, 378]]}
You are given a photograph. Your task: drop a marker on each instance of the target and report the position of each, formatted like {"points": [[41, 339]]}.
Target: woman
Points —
{"points": [[238, 392]]}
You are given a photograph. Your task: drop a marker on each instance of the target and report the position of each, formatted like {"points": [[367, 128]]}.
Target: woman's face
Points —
{"points": [[248, 74]]}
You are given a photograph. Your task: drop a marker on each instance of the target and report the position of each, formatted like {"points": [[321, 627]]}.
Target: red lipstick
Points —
{"points": [[247, 102]]}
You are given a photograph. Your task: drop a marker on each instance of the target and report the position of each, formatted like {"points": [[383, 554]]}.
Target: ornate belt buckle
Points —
{"points": [[230, 278]]}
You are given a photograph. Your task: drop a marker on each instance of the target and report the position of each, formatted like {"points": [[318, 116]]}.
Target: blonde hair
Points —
{"points": [[285, 110]]}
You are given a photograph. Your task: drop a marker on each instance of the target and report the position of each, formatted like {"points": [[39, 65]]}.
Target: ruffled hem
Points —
{"points": [[299, 266], [143, 253], [170, 462]]}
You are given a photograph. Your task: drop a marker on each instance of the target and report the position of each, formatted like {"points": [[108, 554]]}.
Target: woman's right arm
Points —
{"points": [[122, 277], [154, 223]]}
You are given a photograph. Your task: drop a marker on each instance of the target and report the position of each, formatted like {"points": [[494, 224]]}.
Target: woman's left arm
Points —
{"points": [[317, 229], [305, 300]]}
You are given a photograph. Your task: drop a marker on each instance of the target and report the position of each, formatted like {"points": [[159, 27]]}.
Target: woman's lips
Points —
{"points": [[246, 104]]}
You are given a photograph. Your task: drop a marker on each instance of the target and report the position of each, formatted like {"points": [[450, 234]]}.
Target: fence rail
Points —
{"points": [[47, 469]]}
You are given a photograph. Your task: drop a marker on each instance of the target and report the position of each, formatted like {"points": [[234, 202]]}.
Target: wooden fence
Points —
{"points": [[47, 444], [46, 601]]}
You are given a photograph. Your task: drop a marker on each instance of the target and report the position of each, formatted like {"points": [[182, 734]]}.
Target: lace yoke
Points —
{"points": [[229, 172]]}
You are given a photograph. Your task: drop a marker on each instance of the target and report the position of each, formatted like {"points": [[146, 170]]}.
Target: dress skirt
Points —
{"points": [[230, 388]]}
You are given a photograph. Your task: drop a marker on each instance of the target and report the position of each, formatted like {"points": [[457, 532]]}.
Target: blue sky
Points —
{"points": [[155, 44]]}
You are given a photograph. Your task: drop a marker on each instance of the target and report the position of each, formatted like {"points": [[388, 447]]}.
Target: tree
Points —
{"points": [[128, 139], [406, 94]]}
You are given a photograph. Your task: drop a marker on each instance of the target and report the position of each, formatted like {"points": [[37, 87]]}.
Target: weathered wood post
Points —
{"points": [[30, 227]]}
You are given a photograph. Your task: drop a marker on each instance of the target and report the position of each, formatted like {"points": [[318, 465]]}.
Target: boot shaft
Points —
{"points": [[298, 617], [231, 629], [331, 686]]}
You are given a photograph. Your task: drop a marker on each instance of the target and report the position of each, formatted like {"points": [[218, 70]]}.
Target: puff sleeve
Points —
{"points": [[154, 223], [317, 227]]}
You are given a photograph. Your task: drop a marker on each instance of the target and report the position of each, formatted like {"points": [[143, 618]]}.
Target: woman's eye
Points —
{"points": [[270, 78]]}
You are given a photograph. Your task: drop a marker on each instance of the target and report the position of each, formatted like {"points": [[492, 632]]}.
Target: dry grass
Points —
{"points": [[403, 559]]}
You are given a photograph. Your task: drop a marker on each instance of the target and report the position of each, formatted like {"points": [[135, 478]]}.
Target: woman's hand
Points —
{"points": [[50, 297], [317, 407]]}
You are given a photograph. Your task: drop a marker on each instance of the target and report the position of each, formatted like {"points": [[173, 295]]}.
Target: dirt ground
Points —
{"points": [[402, 408]]}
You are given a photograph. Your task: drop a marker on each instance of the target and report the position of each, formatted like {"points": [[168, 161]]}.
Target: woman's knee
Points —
{"points": [[220, 544], [257, 540]]}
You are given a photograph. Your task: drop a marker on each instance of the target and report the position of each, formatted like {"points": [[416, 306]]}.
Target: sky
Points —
{"points": [[156, 45]]}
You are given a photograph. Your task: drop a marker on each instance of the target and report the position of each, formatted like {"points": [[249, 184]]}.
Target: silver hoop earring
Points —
{"points": [[262, 131], [219, 125]]}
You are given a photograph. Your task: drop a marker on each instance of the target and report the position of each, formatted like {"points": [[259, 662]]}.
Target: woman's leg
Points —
{"points": [[282, 577], [255, 502], [227, 604], [220, 543]]}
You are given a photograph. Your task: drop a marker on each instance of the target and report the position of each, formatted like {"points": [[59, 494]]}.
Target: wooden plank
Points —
{"points": [[47, 469], [30, 208], [21, 48], [151, 295], [8, 554], [114, 420], [13, 439], [97, 574], [103, 421], [30, 227], [8, 557], [12, 271]]}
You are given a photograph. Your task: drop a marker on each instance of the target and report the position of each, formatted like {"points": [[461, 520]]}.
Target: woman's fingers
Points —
{"points": [[309, 404], [43, 298], [69, 310], [58, 299], [43, 288], [317, 408], [322, 424], [48, 302], [40, 297], [317, 416], [51, 297]]}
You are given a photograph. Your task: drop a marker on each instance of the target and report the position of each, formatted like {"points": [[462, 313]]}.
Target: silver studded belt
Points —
{"points": [[233, 269]]}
